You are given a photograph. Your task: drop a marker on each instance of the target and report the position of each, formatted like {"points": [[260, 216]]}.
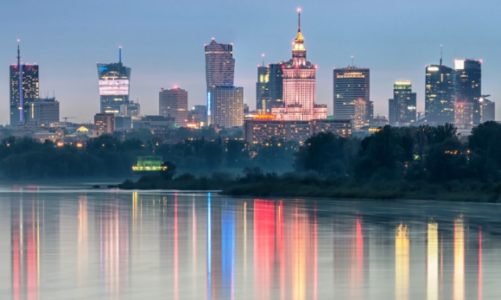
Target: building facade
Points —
{"points": [[104, 123], [24, 87], [263, 89], [402, 107], [275, 85], [174, 103], [219, 64], [351, 85], [261, 131], [487, 110], [439, 94], [43, 112], [468, 84], [227, 109]]}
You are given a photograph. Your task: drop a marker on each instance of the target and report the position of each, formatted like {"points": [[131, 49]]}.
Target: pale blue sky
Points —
{"points": [[163, 43]]}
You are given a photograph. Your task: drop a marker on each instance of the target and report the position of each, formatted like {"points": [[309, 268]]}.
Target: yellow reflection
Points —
{"points": [[299, 253], [458, 282], [402, 263], [432, 262]]}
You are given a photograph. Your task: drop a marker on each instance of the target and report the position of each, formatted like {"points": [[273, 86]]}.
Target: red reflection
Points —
{"points": [[25, 235], [264, 247], [357, 266]]}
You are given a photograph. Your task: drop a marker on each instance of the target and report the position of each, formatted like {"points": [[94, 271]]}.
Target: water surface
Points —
{"points": [[62, 243]]}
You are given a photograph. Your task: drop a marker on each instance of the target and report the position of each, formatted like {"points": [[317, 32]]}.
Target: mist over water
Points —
{"points": [[81, 244]]}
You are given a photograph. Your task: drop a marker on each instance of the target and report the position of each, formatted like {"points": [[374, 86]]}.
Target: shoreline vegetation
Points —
{"points": [[422, 162], [291, 185]]}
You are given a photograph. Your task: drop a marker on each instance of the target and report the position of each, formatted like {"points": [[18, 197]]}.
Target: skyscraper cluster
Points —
{"points": [[454, 95], [285, 92]]}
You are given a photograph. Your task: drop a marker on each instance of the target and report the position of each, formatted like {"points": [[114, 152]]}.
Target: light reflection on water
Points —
{"points": [[83, 245]]}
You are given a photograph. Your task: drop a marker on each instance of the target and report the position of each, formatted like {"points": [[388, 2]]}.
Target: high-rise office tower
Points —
{"points": [[219, 64], [275, 85], [114, 87], [350, 84], [227, 109], [174, 103], [487, 110], [468, 83], [299, 85], [24, 89], [219, 72], [263, 89], [439, 94], [402, 108]]}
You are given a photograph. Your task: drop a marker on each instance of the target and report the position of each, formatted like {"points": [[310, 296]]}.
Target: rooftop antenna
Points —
{"points": [[441, 53], [352, 60], [20, 82], [262, 57], [119, 54]]}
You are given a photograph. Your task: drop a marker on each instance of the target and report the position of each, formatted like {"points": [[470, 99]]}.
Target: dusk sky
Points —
{"points": [[163, 43]]}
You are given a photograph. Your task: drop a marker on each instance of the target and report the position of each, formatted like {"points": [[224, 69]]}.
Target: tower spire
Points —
{"points": [[119, 54], [20, 83], [299, 19], [441, 53]]}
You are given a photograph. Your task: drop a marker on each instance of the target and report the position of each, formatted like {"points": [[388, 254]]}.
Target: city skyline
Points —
{"points": [[157, 65]]}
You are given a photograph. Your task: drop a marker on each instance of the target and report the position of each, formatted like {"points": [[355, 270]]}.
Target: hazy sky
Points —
{"points": [[163, 43]]}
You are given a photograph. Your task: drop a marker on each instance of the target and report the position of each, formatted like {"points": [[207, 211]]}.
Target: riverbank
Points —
{"points": [[302, 186]]}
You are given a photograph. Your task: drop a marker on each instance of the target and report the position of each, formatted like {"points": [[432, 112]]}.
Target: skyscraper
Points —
{"points": [[351, 83], [439, 94], [174, 103], [24, 89], [299, 84], [275, 85], [402, 108], [263, 89], [219, 64], [220, 74], [468, 84], [227, 109], [114, 87]]}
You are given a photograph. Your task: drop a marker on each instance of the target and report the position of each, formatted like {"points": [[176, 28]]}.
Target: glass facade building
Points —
{"points": [[114, 87], [24, 87], [439, 94], [402, 107], [350, 85]]}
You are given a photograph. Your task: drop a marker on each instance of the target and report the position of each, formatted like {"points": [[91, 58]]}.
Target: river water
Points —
{"points": [[63, 243]]}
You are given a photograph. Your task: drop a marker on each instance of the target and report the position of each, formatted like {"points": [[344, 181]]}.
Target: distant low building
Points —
{"points": [[487, 110], [104, 123], [157, 125], [43, 112], [263, 129]]}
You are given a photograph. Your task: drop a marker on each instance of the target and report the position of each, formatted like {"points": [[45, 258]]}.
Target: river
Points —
{"points": [[70, 243]]}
